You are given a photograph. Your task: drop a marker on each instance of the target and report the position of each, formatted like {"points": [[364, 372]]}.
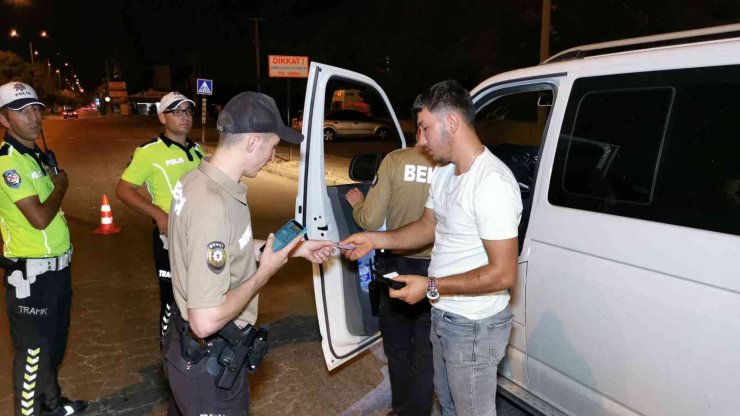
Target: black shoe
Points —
{"points": [[67, 408]]}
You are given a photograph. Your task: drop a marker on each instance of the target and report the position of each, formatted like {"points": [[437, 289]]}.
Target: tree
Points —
{"points": [[13, 68]]}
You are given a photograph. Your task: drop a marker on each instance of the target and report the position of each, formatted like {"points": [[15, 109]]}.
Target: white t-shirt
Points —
{"points": [[483, 203]]}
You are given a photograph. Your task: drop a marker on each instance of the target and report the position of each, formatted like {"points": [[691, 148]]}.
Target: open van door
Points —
{"points": [[340, 286]]}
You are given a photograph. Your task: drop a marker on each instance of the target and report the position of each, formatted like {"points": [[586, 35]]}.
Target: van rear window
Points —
{"points": [[661, 146]]}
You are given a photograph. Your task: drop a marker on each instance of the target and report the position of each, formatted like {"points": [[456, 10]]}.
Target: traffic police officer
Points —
{"points": [[397, 197], [214, 258], [37, 255], [160, 163]]}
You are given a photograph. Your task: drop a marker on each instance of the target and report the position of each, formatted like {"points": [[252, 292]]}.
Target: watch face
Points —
{"points": [[433, 294]]}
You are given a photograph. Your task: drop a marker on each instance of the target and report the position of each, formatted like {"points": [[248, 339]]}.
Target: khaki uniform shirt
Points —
{"points": [[211, 244], [398, 194]]}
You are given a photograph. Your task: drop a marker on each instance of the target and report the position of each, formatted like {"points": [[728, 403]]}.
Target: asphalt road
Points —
{"points": [[113, 353]]}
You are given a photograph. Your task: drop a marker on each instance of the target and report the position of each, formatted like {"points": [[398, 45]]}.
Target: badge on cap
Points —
{"points": [[216, 256], [12, 178]]}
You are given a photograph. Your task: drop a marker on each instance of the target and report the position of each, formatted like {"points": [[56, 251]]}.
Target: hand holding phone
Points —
{"points": [[389, 279], [286, 234]]}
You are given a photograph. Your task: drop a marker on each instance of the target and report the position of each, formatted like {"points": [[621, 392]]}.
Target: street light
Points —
{"points": [[44, 34]]}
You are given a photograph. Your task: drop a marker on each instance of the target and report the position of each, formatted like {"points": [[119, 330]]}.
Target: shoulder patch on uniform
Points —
{"points": [[12, 178], [375, 181], [216, 256]]}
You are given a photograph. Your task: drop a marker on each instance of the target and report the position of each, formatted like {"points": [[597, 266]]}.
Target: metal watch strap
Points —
{"points": [[432, 291]]}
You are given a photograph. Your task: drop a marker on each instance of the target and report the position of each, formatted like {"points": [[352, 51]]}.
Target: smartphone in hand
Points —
{"points": [[286, 234]]}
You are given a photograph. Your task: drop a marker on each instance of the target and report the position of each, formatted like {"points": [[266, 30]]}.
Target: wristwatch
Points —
{"points": [[432, 292]]}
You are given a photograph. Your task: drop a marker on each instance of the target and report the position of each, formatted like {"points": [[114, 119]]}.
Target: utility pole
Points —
{"points": [[256, 21], [545, 31]]}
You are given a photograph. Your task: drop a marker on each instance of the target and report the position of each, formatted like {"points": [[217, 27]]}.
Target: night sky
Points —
{"points": [[404, 45]]}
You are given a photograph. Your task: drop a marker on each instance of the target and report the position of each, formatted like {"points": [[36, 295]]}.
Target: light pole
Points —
{"points": [[14, 34], [256, 21]]}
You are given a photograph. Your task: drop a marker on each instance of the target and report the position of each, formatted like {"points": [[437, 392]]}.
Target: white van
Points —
{"points": [[628, 156]]}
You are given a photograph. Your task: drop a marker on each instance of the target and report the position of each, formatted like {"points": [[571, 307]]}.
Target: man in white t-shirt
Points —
{"points": [[472, 216]]}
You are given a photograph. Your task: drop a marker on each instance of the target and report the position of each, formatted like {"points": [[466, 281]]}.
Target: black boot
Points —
{"points": [[66, 407]]}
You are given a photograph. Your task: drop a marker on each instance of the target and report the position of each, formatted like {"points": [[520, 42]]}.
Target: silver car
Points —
{"points": [[353, 123]]}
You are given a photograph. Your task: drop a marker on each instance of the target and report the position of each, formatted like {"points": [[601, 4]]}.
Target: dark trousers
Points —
{"points": [[405, 330], [166, 298], [194, 390], [39, 325]]}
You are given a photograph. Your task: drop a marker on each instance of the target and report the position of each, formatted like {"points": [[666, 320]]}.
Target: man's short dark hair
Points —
{"points": [[445, 96]]}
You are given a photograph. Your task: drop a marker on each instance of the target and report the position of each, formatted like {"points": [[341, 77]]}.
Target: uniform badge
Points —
{"points": [[216, 256], [375, 181], [12, 178]]}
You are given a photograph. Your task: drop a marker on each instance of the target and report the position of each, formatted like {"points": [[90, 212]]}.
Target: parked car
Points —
{"points": [[348, 123], [69, 112]]}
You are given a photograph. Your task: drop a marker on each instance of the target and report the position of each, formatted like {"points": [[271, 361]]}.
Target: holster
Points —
{"points": [[246, 347], [17, 276], [233, 348]]}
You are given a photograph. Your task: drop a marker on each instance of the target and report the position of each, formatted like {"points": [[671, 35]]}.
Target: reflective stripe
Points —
{"points": [[105, 208], [166, 178], [106, 220], [29, 387]]}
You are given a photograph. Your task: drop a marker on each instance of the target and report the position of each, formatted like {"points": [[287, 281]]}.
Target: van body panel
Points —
{"points": [[631, 333]]}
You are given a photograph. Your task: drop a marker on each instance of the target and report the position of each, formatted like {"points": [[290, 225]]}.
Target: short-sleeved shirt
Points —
{"points": [[398, 194], [483, 203], [24, 176], [211, 244], [160, 163]]}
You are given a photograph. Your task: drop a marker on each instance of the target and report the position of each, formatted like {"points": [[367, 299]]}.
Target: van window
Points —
{"points": [[661, 146], [614, 144]]}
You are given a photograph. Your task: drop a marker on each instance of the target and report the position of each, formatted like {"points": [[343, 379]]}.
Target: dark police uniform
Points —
{"points": [[38, 289], [212, 252], [397, 197], [160, 163]]}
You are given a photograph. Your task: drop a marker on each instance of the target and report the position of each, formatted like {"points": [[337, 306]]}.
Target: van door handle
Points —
{"points": [[324, 228]]}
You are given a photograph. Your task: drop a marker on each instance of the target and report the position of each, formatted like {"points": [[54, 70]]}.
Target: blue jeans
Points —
{"points": [[466, 356]]}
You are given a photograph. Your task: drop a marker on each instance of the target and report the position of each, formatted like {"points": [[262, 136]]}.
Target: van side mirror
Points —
{"points": [[364, 166]]}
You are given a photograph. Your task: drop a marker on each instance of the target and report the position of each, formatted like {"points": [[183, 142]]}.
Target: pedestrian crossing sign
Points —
{"points": [[205, 86]]}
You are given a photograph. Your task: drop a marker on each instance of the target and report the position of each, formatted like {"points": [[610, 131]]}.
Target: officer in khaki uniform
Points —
{"points": [[160, 163], [37, 254], [397, 197], [214, 257]]}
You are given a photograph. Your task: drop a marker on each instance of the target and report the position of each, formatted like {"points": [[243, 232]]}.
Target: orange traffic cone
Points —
{"points": [[106, 219]]}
